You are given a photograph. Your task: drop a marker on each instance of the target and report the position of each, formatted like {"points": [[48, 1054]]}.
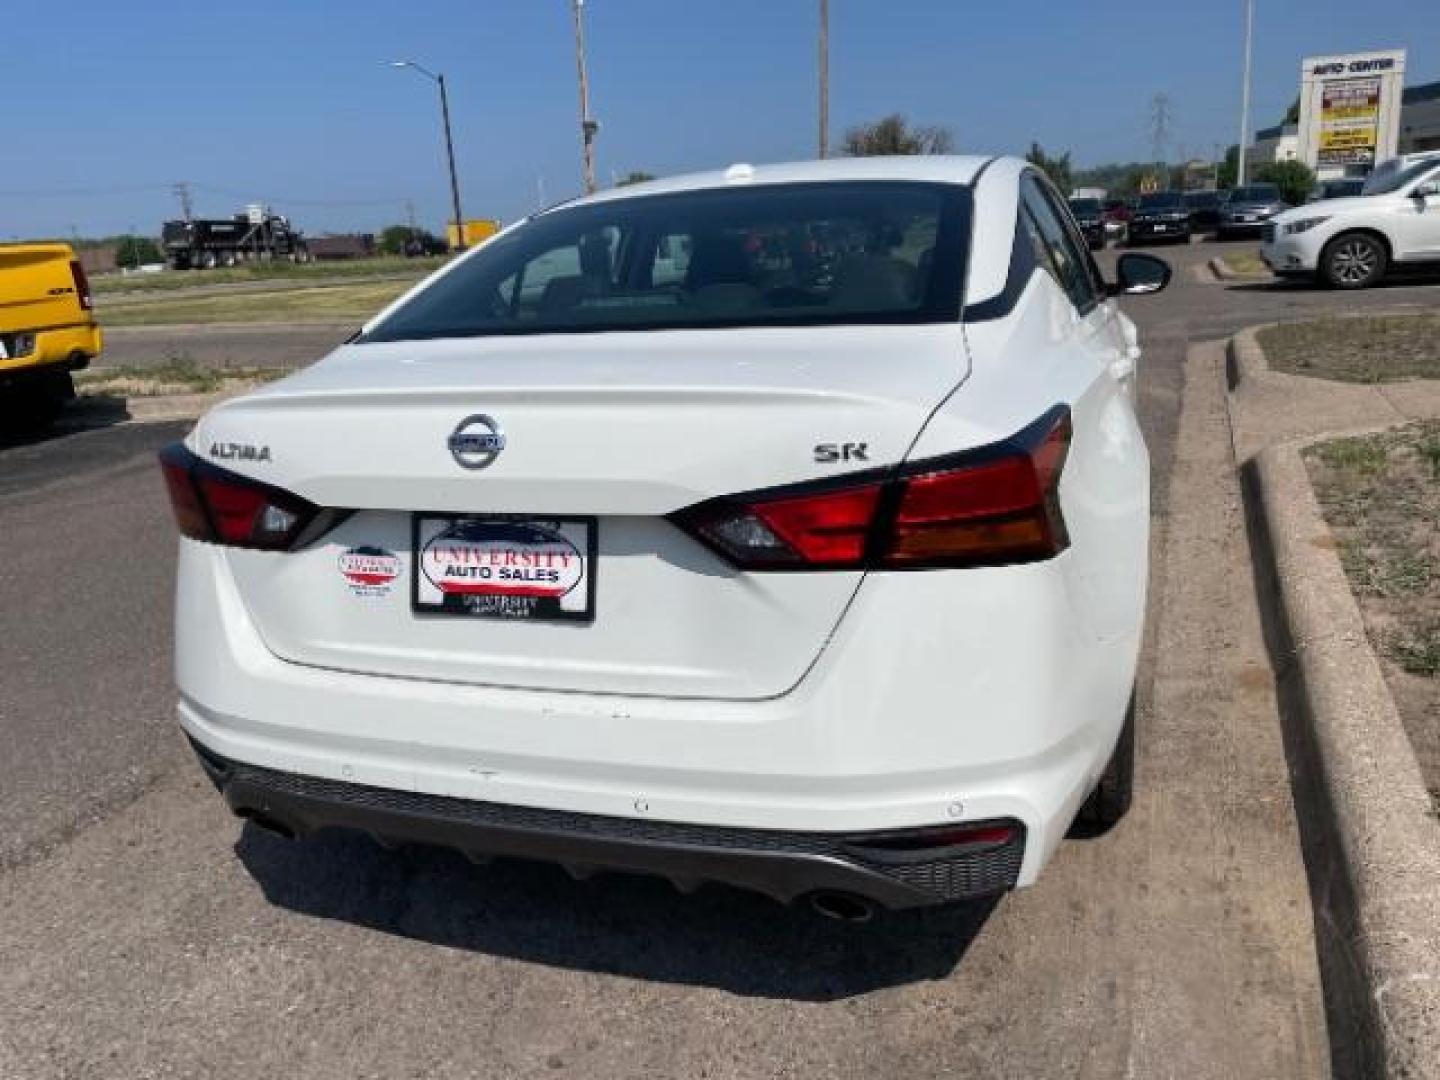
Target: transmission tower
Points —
{"points": [[182, 192], [1160, 124]]}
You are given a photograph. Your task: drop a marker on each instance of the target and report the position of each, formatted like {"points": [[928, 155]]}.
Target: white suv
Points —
{"points": [[781, 526], [1352, 243]]}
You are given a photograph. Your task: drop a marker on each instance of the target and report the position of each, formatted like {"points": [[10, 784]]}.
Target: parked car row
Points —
{"points": [[1176, 216]]}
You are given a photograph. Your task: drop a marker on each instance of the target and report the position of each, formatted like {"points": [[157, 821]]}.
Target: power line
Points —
{"points": [[286, 200], [85, 192]]}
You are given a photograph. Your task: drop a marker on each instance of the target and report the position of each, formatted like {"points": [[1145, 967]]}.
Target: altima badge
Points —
{"points": [[476, 441]]}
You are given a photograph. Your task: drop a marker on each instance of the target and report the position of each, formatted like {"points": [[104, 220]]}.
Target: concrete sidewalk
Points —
{"points": [[1268, 407]]}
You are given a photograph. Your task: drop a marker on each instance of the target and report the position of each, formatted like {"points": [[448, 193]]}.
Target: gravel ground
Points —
{"points": [[1381, 497], [1367, 349]]}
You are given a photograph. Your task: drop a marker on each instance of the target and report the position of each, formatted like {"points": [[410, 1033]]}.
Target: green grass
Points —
{"points": [[329, 303], [1417, 649], [273, 271], [1365, 455]]}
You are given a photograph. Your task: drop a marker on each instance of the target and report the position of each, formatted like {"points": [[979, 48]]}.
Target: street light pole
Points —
{"points": [[824, 78], [1245, 94], [439, 80], [450, 157], [588, 127]]}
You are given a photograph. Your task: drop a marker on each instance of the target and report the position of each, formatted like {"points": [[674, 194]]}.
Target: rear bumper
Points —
{"points": [[1169, 231], [782, 864], [49, 352]]}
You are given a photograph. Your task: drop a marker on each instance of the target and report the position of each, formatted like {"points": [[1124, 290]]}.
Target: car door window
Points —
{"points": [[1065, 259]]}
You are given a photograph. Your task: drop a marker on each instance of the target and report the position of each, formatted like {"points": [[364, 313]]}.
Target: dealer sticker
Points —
{"points": [[504, 567], [370, 571]]}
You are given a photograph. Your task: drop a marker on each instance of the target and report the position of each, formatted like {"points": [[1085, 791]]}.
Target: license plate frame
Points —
{"points": [[460, 566]]}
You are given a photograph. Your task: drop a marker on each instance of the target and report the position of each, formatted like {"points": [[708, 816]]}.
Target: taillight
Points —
{"points": [[82, 284], [998, 504], [221, 507]]}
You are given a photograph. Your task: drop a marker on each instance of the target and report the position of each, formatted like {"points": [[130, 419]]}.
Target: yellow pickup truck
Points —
{"points": [[47, 330]]}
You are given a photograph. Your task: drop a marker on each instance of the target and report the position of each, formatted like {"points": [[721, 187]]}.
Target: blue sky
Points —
{"points": [[104, 103]]}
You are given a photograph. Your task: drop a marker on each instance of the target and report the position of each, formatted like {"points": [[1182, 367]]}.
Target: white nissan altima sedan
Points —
{"points": [[784, 526]]}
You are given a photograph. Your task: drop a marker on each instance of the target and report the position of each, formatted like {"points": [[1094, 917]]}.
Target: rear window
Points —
{"points": [[1256, 193], [1085, 206], [1202, 199], [1161, 200], [776, 255]]}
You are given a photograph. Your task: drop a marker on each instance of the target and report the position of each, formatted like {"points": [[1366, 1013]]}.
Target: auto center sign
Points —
{"points": [[1350, 111]]}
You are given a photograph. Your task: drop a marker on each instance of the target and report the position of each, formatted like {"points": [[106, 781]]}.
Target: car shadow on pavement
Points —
{"points": [[93, 413], [636, 927], [1397, 280]]}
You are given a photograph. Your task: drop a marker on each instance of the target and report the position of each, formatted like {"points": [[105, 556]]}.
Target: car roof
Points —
{"points": [[931, 168]]}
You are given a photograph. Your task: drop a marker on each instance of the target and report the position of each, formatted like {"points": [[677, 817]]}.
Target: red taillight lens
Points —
{"points": [[823, 529], [221, 507], [807, 532], [998, 504], [82, 284], [184, 499], [1001, 510]]}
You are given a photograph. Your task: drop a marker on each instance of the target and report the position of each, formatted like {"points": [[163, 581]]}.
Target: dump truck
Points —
{"points": [[47, 331], [255, 234]]}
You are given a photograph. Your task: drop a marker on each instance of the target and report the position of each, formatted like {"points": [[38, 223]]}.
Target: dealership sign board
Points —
{"points": [[1350, 110]]}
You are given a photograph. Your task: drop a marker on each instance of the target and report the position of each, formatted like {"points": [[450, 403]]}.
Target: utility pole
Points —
{"points": [[588, 126], [1245, 93], [824, 78], [182, 192]]}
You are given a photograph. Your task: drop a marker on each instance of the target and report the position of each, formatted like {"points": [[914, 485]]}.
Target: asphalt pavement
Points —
{"points": [[147, 933]]}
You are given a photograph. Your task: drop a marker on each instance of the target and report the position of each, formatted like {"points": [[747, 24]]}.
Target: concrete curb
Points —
{"points": [[1244, 359], [1374, 844], [151, 409]]}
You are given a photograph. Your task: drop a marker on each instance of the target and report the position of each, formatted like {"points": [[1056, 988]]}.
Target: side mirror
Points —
{"points": [[1137, 274], [1426, 190]]}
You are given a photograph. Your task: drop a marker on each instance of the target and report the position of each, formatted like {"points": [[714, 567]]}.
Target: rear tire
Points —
{"points": [[1115, 789], [1354, 261], [208, 260]]}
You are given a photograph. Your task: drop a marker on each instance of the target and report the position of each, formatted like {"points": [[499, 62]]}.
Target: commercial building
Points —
{"points": [[1355, 111], [1420, 119]]}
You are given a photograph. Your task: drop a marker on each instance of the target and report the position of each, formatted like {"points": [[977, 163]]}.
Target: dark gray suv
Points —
{"points": [[1247, 210]]}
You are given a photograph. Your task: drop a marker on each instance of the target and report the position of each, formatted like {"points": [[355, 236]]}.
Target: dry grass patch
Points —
{"points": [[1363, 349], [1245, 262], [1381, 498], [278, 272], [172, 377]]}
